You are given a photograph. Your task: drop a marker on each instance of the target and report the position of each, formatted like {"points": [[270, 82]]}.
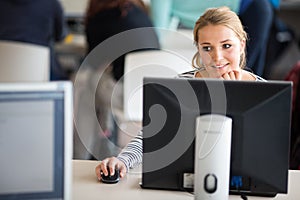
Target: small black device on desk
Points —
{"points": [[110, 179]]}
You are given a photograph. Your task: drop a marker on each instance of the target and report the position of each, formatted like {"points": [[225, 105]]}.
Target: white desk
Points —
{"points": [[87, 187]]}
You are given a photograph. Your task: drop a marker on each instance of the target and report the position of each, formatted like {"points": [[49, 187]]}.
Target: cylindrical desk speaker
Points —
{"points": [[212, 157]]}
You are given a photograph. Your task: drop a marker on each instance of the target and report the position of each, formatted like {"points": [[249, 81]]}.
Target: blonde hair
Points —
{"points": [[220, 16]]}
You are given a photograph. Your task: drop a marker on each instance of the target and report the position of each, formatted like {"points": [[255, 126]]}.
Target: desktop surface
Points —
{"points": [[86, 186]]}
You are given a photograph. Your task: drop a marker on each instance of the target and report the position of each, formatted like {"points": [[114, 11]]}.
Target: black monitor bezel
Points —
{"points": [[239, 89]]}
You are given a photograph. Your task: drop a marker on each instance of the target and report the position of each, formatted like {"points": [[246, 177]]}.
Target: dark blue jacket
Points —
{"points": [[34, 21]]}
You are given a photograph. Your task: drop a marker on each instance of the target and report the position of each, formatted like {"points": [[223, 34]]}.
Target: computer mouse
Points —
{"points": [[110, 179]]}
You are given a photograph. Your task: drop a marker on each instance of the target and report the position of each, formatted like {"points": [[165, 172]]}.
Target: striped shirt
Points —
{"points": [[132, 154], [191, 74]]}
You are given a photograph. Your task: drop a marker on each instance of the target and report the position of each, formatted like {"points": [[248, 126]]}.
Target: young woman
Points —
{"points": [[221, 41]]}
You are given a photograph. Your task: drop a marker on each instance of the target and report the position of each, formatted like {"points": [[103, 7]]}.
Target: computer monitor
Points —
{"points": [[36, 128], [261, 115]]}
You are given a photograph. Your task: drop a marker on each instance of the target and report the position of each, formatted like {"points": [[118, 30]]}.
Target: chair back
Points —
{"points": [[151, 63], [24, 62]]}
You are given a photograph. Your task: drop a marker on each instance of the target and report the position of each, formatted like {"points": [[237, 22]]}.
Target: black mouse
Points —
{"points": [[110, 179]]}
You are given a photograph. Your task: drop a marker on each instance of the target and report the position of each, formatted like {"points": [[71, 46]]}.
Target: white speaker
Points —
{"points": [[212, 157]]}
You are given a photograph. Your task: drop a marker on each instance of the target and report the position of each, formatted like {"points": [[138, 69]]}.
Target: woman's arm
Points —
{"points": [[132, 154], [129, 157]]}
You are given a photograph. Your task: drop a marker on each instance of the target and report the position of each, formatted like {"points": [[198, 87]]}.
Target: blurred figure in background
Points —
{"points": [[39, 22], [173, 14], [106, 18], [257, 17]]}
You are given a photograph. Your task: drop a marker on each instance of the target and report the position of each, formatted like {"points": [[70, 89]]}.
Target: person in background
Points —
{"points": [[39, 22], [106, 18], [221, 42], [173, 14], [110, 20], [256, 16]]}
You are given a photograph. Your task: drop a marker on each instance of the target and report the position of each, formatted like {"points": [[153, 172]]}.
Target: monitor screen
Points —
{"points": [[260, 113], [35, 143]]}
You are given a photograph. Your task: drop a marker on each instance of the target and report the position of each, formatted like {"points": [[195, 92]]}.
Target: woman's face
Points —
{"points": [[219, 50]]}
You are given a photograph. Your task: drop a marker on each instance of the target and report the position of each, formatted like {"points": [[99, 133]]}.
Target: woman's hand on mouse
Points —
{"points": [[111, 163]]}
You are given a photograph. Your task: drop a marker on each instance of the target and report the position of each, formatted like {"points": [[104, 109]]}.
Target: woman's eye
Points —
{"points": [[226, 46], [207, 48]]}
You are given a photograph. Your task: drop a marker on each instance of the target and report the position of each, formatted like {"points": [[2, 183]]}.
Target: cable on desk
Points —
{"points": [[237, 182]]}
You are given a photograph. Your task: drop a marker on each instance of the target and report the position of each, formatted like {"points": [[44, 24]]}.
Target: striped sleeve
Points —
{"points": [[132, 154], [260, 79]]}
